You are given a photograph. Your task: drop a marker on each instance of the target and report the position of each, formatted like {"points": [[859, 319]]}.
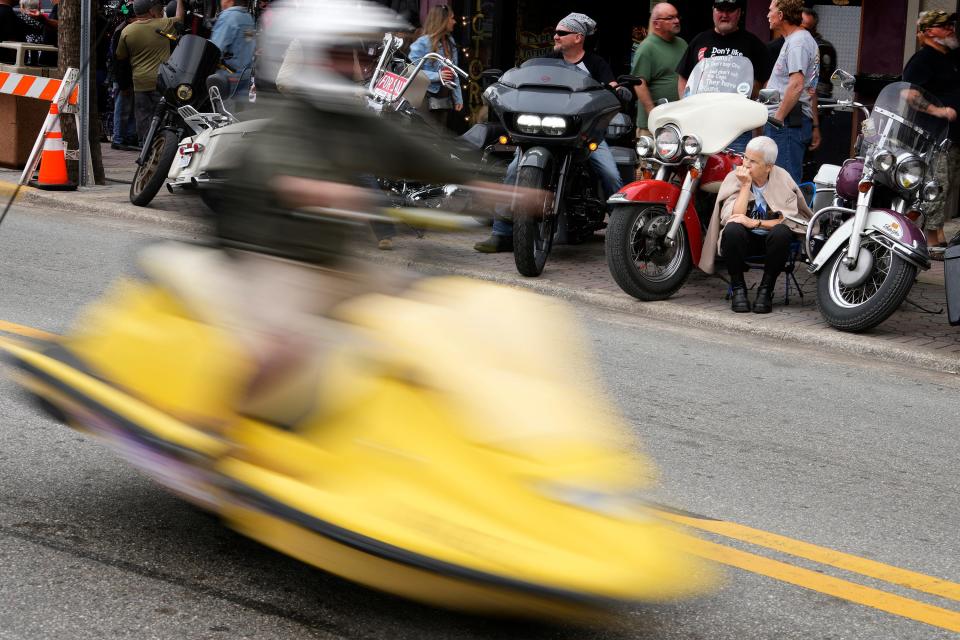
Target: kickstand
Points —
{"points": [[924, 309]]}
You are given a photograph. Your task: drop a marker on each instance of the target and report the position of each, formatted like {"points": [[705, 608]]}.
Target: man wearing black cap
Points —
{"points": [[147, 50], [934, 68], [725, 39]]}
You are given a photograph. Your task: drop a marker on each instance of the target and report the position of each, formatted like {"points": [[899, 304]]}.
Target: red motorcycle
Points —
{"points": [[657, 224]]}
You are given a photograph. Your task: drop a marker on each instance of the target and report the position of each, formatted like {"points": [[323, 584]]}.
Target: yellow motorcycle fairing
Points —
{"points": [[456, 451]]}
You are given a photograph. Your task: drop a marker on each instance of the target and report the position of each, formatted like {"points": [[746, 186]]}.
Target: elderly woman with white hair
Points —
{"points": [[752, 218]]}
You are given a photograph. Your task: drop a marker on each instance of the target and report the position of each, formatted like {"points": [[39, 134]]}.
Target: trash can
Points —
{"points": [[21, 118], [951, 280]]}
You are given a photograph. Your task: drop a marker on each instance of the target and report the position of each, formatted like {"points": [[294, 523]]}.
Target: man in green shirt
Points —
{"points": [[147, 50], [656, 62]]}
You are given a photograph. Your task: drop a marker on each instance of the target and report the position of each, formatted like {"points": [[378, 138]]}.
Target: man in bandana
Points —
{"points": [[568, 42], [933, 67]]}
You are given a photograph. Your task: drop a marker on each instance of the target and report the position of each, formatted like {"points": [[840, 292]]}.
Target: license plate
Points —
{"points": [[185, 159]]}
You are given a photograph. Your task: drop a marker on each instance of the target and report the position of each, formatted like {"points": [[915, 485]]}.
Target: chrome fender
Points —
{"points": [[899, 232]]}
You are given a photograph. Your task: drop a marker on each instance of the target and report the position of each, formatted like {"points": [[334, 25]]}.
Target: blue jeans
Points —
{"points": [[124, 120], [602, 162], [792, 143], [740, 144]]}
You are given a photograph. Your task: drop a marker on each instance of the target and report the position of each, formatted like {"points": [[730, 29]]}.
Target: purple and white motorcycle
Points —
{"points": [[868, 246]]}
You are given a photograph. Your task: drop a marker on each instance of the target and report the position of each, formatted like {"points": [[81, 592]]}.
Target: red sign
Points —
{"points": [[389, 85]]}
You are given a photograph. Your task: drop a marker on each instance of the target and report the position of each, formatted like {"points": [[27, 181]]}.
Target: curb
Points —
{"points": [[665, 311], [70, 200], [835, 341]]}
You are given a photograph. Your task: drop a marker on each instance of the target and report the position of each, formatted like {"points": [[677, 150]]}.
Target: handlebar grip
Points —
{"points": [[774, 122]]}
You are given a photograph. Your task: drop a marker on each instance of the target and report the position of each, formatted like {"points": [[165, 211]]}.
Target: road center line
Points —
{"points": [[837, 587], [21, 330], [863, 566]]}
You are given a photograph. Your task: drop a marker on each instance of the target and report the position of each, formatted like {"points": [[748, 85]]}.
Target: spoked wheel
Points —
{"points": [[151, 175], [533, 228], [863, 298], [638, 256]]}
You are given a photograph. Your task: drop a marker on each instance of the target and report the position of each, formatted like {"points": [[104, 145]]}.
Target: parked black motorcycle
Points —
{"points": [[557, 116], [182, 81]]}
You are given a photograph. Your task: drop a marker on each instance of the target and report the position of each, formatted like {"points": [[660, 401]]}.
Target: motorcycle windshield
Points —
{"points": [[549, 72], [901, 122], [721, 74]]}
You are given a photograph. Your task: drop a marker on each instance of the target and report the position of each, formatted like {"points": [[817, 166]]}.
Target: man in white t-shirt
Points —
{"points": [[794, 75]]}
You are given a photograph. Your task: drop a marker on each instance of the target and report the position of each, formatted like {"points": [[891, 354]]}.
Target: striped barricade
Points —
{"points": [[18, 84], [49, 146]]}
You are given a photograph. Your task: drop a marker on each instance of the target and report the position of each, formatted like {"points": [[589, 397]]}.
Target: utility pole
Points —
{"points": [[69, 39]]}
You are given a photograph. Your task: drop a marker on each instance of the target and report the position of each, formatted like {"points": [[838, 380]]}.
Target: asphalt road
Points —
{"points": [[850, 455]]}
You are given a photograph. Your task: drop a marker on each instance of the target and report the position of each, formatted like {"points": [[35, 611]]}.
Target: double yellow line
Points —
{"points": [[785, 572], [815, 581]]}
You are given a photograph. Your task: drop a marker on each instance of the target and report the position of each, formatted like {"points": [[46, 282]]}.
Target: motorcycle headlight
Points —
{"points": [[931, 191], [645, 146], [909, 172], [528, 123], [553, 125], [691, 145], [883, 160], [184, 92], [668, 143]]}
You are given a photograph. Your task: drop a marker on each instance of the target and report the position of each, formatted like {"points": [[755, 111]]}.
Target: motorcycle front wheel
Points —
{"points": [[874, 298], [533, 228], [639, 259], [151, 175]]}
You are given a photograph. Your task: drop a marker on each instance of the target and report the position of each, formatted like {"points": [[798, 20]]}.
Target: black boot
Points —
{"points": [[738, 295], [764, 301]]}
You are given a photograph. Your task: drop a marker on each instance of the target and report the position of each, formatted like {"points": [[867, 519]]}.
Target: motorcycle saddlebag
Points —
{"points": [[951, 280]]}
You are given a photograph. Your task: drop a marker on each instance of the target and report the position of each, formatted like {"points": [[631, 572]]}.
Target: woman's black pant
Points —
{"points": [[737, 243]]}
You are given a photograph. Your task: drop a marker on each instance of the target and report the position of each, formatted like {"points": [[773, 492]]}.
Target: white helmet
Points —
{"points": [[299, 34]]}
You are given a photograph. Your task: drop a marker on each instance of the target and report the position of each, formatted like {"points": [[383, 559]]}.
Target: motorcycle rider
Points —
{"points": [[290, 266], [568, 41]]}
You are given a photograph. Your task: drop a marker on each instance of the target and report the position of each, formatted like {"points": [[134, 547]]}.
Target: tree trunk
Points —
{"points": [[68, 42]]}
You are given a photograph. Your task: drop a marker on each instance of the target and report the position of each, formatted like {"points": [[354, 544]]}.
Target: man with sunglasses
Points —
{"points": [[568, 41], [934, 68], [656, 62]]}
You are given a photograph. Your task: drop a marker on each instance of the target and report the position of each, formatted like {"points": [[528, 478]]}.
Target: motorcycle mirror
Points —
{"points": [[769, 96], [629, 80], [843, 79], [489, 76]]}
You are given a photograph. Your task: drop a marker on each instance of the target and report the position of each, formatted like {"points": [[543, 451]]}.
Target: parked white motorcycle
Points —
{"points": [[205, 158]]}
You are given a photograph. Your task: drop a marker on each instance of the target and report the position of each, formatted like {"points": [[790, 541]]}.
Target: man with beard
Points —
{"points": [[934, 68], [656, 62], [725, 39]]}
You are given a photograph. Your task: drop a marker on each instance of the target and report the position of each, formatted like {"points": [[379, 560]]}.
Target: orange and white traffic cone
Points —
{"points": [[53, 161]]}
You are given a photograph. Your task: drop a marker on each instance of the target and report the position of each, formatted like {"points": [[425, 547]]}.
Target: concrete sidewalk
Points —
{"points": [[911, 336]]}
